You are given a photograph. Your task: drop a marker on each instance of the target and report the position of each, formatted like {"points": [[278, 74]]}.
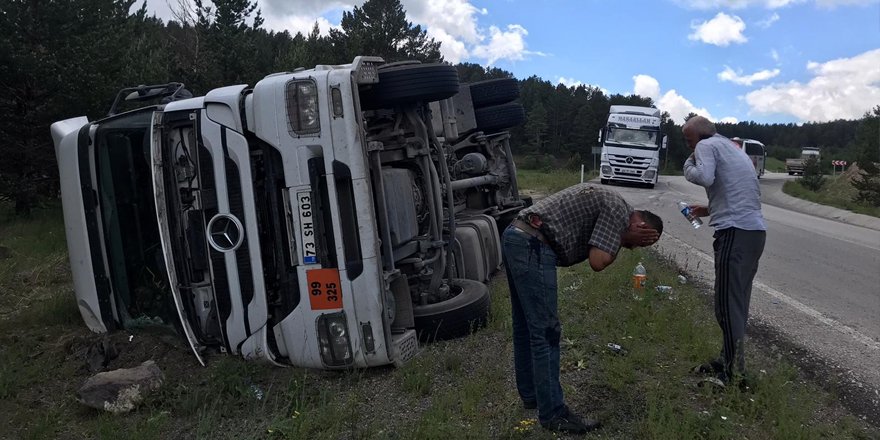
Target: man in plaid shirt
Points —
{"points": [[579, 223]]}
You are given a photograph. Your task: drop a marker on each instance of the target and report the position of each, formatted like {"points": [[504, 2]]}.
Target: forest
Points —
{"points": [[66, 58]]}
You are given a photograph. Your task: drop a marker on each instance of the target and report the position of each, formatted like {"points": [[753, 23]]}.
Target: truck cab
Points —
{"points": [[631, 142], [330, 218]]}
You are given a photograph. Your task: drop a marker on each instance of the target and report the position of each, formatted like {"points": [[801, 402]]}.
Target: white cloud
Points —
{"points": [[646, 86], [734, 4], [720, 31], [299, 23], [730, 75], [506, 44], [844, 88], [456, 18], [728, 120], [676, 105], [453, 49], [569, 82], [774, 54], [768, 4], [454, 23], [767, 22], [679, 107], [304, 8]]}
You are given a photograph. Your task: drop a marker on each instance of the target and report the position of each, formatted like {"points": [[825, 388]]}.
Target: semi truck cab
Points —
{"points": [[330, 218], [631, 142]]}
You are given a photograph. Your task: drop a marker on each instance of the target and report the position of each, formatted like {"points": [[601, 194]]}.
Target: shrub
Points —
{"points": [[574, 162], [538, 161], [867, 183], [812, 178]]}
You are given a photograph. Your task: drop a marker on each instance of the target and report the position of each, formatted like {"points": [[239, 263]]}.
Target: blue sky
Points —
{"points": [[733, 60]]}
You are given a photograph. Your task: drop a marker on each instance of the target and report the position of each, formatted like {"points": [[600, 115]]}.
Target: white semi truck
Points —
{"points": [[329, 218], [631, 142]]}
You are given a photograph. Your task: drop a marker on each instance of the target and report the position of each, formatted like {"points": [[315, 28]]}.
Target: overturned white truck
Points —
{"points": [[327, 218]]}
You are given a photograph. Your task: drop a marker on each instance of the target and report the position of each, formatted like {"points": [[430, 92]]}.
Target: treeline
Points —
{"points": [[65, 58]]}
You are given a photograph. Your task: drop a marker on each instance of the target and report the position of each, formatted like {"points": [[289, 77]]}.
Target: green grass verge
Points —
{"points": [[460, 389], [774, 165], [549, 181], [837, 192]]}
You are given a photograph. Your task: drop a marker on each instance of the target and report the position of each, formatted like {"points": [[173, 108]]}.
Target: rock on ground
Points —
{"points": [[120, 391]]}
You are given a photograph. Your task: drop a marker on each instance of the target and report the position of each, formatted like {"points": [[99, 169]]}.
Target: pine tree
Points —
{"points": [[380, 28], [53, 65], [868, 142]]}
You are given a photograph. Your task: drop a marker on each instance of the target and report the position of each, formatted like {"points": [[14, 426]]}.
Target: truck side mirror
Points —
{"points": [[663, 142], [600, 135]]}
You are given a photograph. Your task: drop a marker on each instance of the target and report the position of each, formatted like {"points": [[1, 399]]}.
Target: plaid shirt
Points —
{"points": [[579, 217]]}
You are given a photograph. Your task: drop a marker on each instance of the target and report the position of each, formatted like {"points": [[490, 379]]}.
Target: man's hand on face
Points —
{"points": [[640, 234]]}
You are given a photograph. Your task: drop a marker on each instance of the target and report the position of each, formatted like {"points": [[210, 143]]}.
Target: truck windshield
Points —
{"points": [[632, 137]]}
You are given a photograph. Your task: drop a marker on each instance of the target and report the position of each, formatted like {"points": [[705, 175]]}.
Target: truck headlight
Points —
{"points": [[649, 174], [333, 339], [302, 107], [606, 169]]}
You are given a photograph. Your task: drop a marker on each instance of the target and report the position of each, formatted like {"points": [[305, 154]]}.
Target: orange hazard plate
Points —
{"points": [[324, 289]]}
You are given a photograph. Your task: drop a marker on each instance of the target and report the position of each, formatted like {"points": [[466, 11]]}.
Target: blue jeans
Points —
{"points": [[531, 275]]}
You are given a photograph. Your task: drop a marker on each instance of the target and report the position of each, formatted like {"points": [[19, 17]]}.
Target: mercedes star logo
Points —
{"points": [[225, 233], [629, 159]]}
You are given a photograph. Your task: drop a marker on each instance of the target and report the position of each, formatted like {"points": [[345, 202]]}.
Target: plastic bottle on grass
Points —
{"points": [[640, 276], [686, 212]]}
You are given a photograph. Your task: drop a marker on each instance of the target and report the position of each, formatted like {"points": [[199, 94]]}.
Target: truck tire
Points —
{"points": [[498, 117], [493, 92], [411, 83], [458, 316]]}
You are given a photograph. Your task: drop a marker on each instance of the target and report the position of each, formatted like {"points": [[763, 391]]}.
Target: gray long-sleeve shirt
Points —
{"points": [[729, 177]]}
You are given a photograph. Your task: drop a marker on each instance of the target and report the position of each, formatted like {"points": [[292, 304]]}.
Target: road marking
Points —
{"points": [[797, 305]]}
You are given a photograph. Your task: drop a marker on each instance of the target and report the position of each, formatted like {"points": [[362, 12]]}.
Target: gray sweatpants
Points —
{"points": [[737, 252]]}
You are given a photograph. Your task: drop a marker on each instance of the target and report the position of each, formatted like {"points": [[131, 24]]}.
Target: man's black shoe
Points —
{"points": [[570, 423], [712, 367]]}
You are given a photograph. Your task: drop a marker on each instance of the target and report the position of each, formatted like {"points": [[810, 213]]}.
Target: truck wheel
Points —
{"points": [[603, 181], [411, 83], [493, 92], [458, 316], [498, 117]]}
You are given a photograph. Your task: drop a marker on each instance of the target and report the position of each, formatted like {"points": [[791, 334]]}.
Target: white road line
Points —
{"points": [[797, 305]]}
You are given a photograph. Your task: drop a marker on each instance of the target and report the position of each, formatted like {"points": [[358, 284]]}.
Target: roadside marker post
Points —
{"points": [[838, 163]]}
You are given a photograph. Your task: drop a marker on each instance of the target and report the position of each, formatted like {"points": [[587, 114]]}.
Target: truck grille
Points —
{"points": [[623, 161]]}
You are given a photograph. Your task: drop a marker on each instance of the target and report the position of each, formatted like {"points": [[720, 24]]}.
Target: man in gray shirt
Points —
{"points": [[728, 175]]}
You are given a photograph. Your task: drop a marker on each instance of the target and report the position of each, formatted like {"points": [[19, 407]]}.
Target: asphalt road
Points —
{"points": [[819, 278]]}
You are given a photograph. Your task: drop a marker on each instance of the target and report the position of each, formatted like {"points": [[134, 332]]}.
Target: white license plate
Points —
{"points": [[307, 227]]}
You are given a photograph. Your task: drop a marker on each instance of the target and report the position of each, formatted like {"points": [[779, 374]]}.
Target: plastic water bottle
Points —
{"points": [[640, 276], [686, 212]]}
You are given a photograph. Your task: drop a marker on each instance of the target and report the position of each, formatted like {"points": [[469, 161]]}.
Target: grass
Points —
{"points": [[774, 165], [460, 389], [837, 192], [550, 180]]}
